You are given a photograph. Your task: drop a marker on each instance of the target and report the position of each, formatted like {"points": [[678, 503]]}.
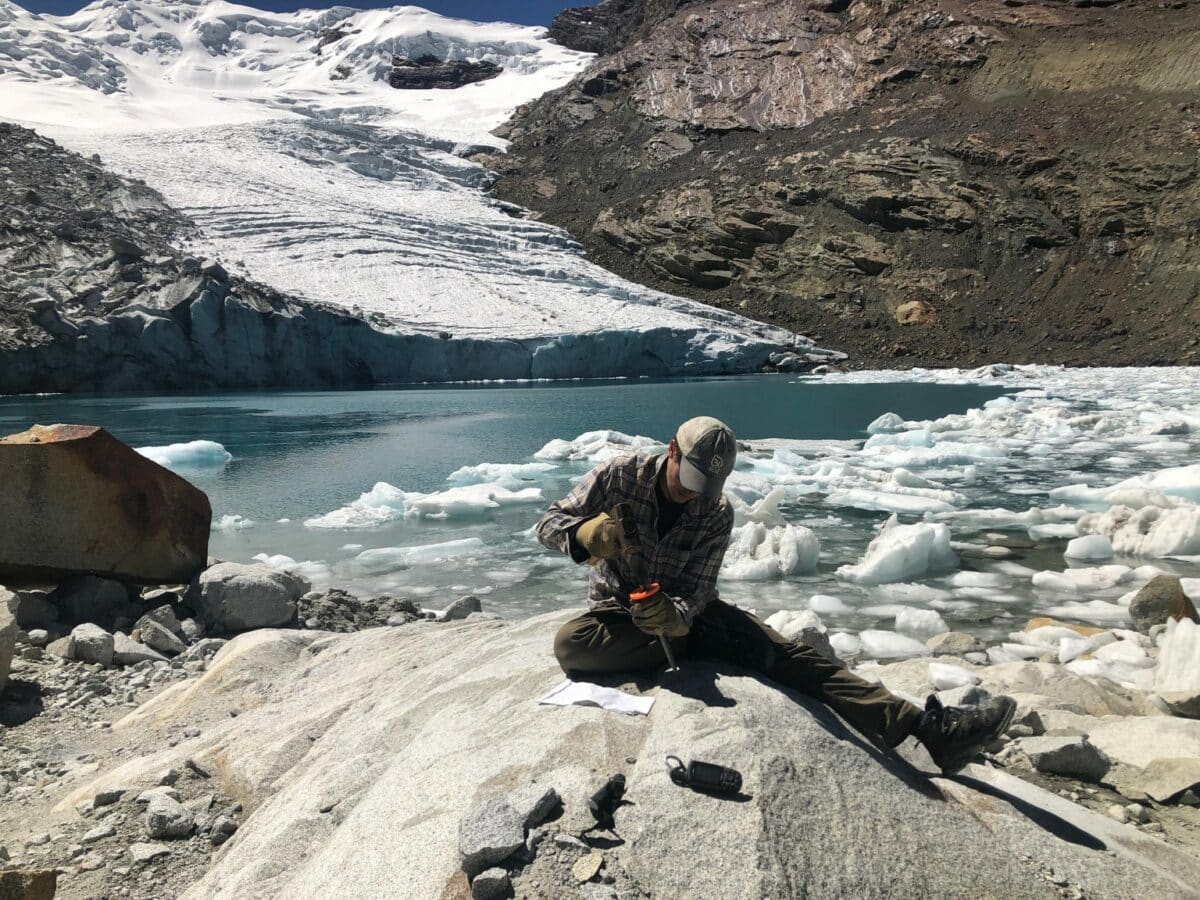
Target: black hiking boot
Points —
{"points": [[954, 735]]}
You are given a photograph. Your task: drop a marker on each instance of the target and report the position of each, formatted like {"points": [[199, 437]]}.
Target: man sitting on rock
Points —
{"points": [[683, 529]]}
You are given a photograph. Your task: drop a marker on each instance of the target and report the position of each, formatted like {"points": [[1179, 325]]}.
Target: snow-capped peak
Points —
{"points": [[169, 63]]}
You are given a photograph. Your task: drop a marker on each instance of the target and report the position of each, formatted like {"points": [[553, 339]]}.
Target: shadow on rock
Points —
{"points": [[20, 701], [1043, 818]]}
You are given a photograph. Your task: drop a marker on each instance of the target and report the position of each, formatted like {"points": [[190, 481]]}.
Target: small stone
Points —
{"points": [[1117, 811], [158, 637], [955, 643], [401, 619], [1138, 813], [461, 608], [99, 833], [1074, 757], [107, 798], [168, 818], [194, 766], [489, 833], [569, 841], [38, 840], [490, 884], [141, 853], [91, 643], [534, 803], [587, 867], [162, 790]]}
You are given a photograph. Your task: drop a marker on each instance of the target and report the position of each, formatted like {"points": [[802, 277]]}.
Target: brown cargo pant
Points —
{"points": [[605, 641]]}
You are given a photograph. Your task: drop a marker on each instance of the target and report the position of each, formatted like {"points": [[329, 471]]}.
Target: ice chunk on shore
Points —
{"points": [[945, 676], [381, 504], [1149, 531], [390, 558], [1091, 546], [1096, 612], [191, 456], [901, 552], [758, 553], [793, 623], [889, 645], [845, 645], [1179, 659], [825, 605], [920, 623]]}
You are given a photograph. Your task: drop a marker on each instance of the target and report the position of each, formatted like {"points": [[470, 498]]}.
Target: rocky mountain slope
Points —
{"points": [[922, 182]]}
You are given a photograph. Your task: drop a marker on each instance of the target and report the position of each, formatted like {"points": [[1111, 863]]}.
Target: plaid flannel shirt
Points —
{"points": [[685, 562]]}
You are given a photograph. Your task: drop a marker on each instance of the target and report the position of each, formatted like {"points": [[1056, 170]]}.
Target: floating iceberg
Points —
{"points": [[890, 645], [232, 523], [598, 446], [381, 504], [192, 456]]}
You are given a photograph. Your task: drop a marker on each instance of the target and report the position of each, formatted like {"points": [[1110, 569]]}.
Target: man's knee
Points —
{"points": [[571, 642]]}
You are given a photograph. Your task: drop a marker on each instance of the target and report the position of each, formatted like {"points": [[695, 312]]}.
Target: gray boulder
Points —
{"points": [[1161, 598], [490, 885], [461, 608], [204, 649], [8, 638], [955, 643], [128, 652], [1165, 779], [489, 833], [92, 644], [234, 597], [830, 816], [534, 803], [168, 818], [1073, 757], [159, 637], [165, 616]]}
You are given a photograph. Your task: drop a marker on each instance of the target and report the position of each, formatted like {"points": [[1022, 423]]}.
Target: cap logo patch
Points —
{"points": [[715, 464]]}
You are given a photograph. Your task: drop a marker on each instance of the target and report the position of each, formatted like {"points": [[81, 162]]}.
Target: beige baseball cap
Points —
{"points": [[707, 452]]}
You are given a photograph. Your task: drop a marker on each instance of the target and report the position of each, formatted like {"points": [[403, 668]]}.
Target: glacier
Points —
{"points": [[279, 135]]}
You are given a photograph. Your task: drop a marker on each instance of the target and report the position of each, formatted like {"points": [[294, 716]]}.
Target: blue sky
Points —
{"points": [[527, 12]]}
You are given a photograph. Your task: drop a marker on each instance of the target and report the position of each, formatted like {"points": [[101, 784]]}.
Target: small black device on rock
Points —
{"points": [[603, 804], [708, 778]]}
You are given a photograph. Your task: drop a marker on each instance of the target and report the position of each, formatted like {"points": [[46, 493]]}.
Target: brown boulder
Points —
{"points": [[78, 501], [1160, 599], [916, 312]]}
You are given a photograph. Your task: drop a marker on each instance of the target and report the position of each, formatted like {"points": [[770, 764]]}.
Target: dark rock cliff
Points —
{"points": [[911, 181]]}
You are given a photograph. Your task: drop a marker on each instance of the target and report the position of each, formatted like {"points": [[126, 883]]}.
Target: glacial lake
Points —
{"points": [[351, 488]]}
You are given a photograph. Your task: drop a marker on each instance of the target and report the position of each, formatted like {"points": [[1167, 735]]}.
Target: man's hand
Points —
{"points": [[601, 537], [659, 616]]}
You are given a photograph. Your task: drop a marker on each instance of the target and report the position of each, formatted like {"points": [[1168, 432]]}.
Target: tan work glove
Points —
{"points": [[659, 615], [601, 536]]}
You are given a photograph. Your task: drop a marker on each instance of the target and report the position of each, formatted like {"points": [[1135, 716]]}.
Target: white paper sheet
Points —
{"points": [[584, 693]]}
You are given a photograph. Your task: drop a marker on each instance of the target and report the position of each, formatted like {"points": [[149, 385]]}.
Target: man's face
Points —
{"points": [[675, 489]]}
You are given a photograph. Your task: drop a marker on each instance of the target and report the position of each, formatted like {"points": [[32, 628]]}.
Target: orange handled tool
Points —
{"points": [[623, 513]]}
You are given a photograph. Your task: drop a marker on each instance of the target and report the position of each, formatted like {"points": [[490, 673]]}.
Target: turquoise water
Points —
{"points": [[301, 454]]}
